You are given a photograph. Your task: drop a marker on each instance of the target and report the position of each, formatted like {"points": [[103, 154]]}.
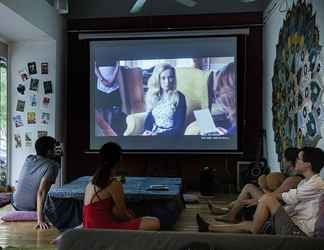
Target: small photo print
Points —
{"points": [[28, 139], [44, 68], [18, 121], [46, 101], [41, 133], [17, 140], [32, 68], [20, 106], [45, 117], [48, 87], [23, 74], [33, 100], [21, 89], [31, 117], [33, 84]]}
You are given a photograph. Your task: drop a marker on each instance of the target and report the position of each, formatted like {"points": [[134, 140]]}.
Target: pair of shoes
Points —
{"points": [[202, 225]]}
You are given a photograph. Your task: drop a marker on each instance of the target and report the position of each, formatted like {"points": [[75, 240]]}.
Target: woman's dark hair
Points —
{"points": [[44, 144], [110, 155], [315, 156], [291, 154]]}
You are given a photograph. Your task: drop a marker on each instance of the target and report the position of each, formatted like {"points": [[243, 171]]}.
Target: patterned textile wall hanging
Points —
{"points": [[298, 81]]}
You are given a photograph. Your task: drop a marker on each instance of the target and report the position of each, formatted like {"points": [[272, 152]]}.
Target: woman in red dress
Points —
{"points": [[104, 203]]}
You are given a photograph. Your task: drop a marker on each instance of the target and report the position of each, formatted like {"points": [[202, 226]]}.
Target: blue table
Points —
{"points": [[63, 206]]}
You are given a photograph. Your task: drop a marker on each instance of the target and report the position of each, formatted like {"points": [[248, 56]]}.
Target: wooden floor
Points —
{"points": [[23, 235]]}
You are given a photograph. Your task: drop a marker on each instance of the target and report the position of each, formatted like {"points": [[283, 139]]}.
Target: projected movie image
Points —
{"points": [[158, 102], [165, 103]]}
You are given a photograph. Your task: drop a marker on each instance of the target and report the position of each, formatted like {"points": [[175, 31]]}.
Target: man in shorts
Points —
{"points": [[300, 211]]}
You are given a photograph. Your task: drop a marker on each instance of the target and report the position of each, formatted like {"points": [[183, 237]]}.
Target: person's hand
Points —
{"points": [[131, 214], [42, 225], [221, 131]]}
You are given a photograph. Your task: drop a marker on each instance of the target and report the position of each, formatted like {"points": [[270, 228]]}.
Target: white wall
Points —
{"points": [[270, 40], [47, 44], [20, 54], [39, 13]]}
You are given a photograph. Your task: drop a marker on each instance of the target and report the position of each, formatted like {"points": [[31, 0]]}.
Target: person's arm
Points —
{"points": [[44, 186], [278, 196], [287, 184], [179, 117], [120, 210], [148, 123], [106, 128], [306, 191]]}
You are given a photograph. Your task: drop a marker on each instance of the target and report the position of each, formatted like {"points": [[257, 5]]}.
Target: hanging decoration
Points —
{"points": [[298, 81]]}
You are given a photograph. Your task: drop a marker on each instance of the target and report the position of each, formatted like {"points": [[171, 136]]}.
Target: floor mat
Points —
{"points": [[4, 199]]}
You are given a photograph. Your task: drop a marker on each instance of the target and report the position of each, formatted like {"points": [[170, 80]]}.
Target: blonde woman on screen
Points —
{"points": [[166, 106]]}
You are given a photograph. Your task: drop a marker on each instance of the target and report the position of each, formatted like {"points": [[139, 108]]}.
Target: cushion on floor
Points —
{"points": [[20, 216], [4, 199]]}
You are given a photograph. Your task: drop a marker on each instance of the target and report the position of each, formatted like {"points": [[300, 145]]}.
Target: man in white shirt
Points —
{"points": [[300, 212]]}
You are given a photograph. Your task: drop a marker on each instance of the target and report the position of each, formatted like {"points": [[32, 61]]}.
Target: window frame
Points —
{"points": [[4, 64]]}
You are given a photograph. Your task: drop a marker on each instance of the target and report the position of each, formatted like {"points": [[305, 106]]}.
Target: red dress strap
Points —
{"points": [[95, 194]]}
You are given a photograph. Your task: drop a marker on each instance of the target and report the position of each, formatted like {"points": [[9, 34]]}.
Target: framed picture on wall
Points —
{"points": [[20, 106], [44, 68], [31, 117], [32, 68], [23, 75], [33, 84], [48, 89]]}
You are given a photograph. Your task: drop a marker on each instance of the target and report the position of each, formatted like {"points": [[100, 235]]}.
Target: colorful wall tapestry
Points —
{"points": [[298, 81]]}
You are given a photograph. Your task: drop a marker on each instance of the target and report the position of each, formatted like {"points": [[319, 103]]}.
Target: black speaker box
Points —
{"points": [[249, 172]]}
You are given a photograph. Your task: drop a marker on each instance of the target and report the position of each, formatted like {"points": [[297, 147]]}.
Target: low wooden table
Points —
{"points": [[63, 206]]}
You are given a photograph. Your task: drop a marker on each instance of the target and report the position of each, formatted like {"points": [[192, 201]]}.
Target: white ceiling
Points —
{"points": [[14, 28], [119, 8]]}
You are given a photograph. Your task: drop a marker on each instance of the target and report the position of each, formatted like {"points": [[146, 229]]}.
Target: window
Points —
{"points": [[3, 122]]}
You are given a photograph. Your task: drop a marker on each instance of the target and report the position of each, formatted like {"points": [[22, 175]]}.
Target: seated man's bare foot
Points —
{"points": [[225, 218], [217, 210]]}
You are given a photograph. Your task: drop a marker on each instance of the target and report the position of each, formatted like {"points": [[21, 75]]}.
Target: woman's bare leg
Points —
{"points": [[149, 223], [249, 191]]}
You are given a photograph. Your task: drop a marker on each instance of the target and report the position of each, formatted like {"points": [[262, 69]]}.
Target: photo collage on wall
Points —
{"points": [[32, 116]]}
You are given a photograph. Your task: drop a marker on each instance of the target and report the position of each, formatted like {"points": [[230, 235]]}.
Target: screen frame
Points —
{"points": [[239, 34]]}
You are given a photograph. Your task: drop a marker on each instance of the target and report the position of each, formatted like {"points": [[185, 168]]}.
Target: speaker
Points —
{"points": [[249, 172], [62, 6], [206, 181]]}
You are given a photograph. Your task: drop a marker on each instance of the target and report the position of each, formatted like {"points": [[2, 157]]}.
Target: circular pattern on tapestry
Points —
{"points": [[298, 81]]}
